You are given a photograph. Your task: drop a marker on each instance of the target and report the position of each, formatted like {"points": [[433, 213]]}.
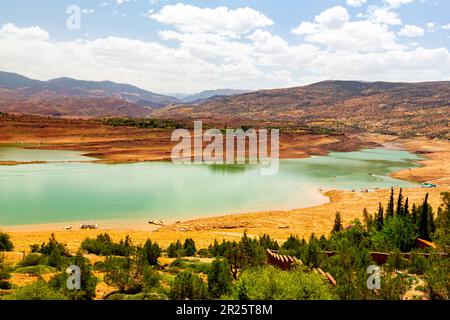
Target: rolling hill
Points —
{"points": [[399, 108], [20, 87]]}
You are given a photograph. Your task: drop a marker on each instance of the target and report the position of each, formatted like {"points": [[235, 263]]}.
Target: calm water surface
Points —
{"points": [[75, 191]]}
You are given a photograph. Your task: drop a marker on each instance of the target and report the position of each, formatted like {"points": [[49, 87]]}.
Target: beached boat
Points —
{"points": [[89, 226], [156, 222], [429, 185]]}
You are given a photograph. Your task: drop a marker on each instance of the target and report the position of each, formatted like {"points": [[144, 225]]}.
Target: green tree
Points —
{"points": [[397, 233], [379, 218], [406, 208], [5, 274], [293, 243], [5, 242], [438, 281], [174, 250], [189, 247], [219, 278], [390, 207], [368, 220], [56, 252], [126, 273], [424, 232], [400, 211], [187, 285], [267, 243], [442, 234], [337, 223], [151, 252]]}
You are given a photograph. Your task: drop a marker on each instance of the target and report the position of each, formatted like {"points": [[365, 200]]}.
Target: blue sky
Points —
{"points": [[172, 46]]}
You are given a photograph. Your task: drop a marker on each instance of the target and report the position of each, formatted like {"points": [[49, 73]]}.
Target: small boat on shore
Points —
{"points": [[429, 185], [89, 226], [156, 222]]}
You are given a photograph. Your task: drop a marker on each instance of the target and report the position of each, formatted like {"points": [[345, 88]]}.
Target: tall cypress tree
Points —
{"points": [[379, 219], [406, 208], [399, 211], [390, 207], [424, 220], [337, 223], [414, 215]]}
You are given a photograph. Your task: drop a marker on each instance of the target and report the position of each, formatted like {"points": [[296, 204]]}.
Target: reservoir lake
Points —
{"points": [[69, 187]]}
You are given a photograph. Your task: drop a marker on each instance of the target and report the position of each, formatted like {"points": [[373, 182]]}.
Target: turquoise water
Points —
{"points": [[77, 191]]}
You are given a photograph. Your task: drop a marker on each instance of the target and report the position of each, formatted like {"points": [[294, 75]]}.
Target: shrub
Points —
{"points": [[36, 270], [39, 290], [33, 259], [186, 285], [5, 242], [219, 278], [88, 280], [189, 247], [56, 253], [104, 246], [151, 252], [4, 273], [175, 250], [269, 283]]}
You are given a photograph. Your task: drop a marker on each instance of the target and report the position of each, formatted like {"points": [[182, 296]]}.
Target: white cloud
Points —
{"points": [[356, 3], [333, 29], [411, 31], [397, 3], [187, 18], [384, 15], [431, 27], [87, 11], [305, 28], [446, 27], [333, 18]]}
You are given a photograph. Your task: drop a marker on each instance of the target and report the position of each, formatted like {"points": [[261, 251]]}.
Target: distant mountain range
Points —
{"points": [[208, 94], [400, 108], [19, 94]]}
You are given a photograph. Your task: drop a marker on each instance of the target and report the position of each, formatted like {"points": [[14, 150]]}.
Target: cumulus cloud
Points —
{"points": [[334, 29], [411, 31], [188, 18], [446, 27], [397, 3], [356, 3], [384, 15]]}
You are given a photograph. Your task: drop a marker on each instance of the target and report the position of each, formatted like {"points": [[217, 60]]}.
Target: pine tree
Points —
{"points": [[406, 208], [399, 211], [390, 207], [337, 223], [219, 278], [424, 220], [414, 215], [368, 220], [379, 218]]}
